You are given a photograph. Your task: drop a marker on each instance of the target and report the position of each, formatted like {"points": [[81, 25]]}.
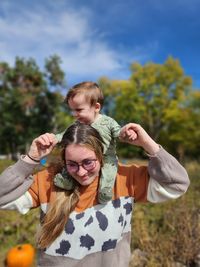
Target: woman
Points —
{"points": [[76, 230]]}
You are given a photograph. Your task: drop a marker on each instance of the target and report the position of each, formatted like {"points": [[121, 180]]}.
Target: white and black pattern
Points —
{"points": [[87, 241], [79, 215], [98, 228], [121, 219], [69, 227], [64, 247], [102, 219], [128, 208], [116, 203], [90, 220], [110, 244]]}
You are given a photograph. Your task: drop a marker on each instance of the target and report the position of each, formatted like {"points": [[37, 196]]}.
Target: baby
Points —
{"points": [[85, 100]]}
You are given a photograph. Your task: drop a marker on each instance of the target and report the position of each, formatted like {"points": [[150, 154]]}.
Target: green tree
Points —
{"points": [[28, 105], [54, 73], [157, 86], [156, 96], [184, 126]]}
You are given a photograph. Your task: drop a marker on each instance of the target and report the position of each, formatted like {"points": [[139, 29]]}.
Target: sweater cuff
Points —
{"points": [[165, 169], [25, 168]]}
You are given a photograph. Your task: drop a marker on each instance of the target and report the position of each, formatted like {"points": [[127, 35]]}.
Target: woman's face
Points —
{"points": [[82, 163]]}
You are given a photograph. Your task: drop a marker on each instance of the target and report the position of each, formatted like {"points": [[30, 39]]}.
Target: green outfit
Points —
{"points": [[109, 130]]}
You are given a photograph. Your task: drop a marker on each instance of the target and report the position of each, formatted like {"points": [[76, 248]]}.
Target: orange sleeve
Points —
{"points": [[132, 181], [42, 189], [34, 191]]}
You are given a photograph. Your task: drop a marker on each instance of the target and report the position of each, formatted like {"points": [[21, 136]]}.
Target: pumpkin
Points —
{"points": [[20, 256]]}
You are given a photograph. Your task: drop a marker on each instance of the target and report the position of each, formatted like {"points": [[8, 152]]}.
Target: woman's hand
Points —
{"points": [[42, 146], [134, 134]]}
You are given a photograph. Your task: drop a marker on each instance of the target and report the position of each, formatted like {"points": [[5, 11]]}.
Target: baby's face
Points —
{"points": [[82, 110]]}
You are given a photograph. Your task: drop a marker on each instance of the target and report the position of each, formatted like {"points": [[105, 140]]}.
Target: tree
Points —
{"points": [[157, 86], [54, 73], [184, 126], [28, 107], [156, 96]]}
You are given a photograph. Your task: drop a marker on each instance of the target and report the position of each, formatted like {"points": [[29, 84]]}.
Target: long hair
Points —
{"points": [[92, 92], [65, 202]]}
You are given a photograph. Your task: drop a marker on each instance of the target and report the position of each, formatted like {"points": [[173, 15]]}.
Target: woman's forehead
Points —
{"points": [[77, 152]]}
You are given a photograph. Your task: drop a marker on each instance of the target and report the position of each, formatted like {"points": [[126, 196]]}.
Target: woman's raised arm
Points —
{"points": [[16, 179]]}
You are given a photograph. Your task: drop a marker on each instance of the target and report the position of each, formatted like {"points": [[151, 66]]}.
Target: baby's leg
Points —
{"points": [[107, 180], [64, 180]]}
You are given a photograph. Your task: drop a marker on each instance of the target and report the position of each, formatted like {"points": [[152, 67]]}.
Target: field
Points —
{"points": [[163, 233]]}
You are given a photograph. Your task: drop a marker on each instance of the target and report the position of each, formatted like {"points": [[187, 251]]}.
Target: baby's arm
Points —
{"points": [[125, 134], [115, 128]]}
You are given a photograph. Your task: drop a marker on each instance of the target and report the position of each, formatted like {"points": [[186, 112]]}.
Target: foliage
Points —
{"points": [[161, 99], [28, 105], [157, 96], [54, 73]]}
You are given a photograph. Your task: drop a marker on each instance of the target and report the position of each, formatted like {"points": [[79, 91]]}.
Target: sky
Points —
{"points": [[96, 38]]}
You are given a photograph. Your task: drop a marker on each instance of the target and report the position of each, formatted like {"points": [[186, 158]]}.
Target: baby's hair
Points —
{"points": [[92, 92]]}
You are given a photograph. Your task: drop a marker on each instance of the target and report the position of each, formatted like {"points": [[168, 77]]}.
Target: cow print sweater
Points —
{"points": [[95, 234]]}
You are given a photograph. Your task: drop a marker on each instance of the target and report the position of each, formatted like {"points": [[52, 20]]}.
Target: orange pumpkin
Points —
{"points": [[20, 256]]}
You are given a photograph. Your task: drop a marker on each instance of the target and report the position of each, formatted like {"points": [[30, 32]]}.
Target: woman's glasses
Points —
{"points": [[87, 164]]}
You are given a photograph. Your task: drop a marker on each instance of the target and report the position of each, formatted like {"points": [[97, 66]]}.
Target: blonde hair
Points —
{"points": [[92, 92], [65, 202], [56, 217]]}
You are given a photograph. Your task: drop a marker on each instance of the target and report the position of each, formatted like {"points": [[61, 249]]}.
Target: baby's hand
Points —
{"points": [[127, 135], [131, 135], [134, 134]]}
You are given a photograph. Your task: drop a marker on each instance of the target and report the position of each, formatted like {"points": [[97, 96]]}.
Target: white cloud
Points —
{"points": [[39, 33]]}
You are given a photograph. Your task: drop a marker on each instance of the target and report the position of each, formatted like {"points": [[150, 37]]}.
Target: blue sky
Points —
{"points": [[102, 38]]}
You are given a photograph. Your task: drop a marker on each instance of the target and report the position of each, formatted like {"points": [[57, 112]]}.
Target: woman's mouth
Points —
{"points": [[84, 178]]}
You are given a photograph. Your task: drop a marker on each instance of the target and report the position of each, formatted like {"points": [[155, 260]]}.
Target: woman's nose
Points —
{"points": [[81, 171]]}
